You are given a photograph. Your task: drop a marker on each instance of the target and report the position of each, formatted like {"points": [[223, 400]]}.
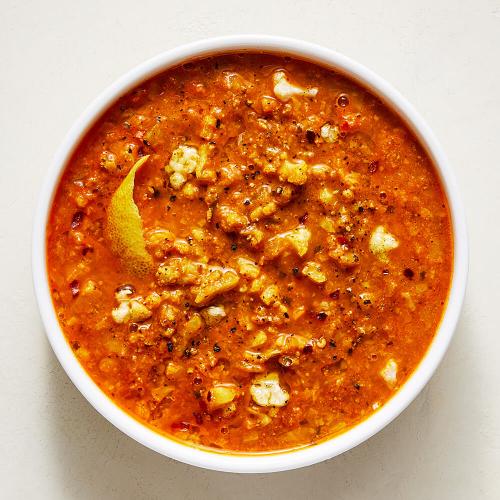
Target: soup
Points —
{"points": [[249, 253]]}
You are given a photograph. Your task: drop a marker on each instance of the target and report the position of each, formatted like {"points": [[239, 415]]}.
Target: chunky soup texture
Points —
{"points": [[270, 274]]}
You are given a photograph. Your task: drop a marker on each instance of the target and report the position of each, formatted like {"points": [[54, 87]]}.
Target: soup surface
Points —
{"points": [[270, 273]]}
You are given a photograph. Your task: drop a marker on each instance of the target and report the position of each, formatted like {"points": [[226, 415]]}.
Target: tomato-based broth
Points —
{"points": [[249, 253]]}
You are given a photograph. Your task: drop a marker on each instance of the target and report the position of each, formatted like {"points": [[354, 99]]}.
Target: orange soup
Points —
{"points": [[249, 253]]}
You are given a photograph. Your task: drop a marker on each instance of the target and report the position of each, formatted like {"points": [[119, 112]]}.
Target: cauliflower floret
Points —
{"points": [[213, 314], [326, 197], [329, 133], [179, 271], [297, 238], [214, 282], [294, 172], [284, 90], [121, 314], [267, 391], [221, 395], [248, 268], [270, 295], [230, 219], [313, 271], [138, 311], [389, 372], [184, 161], [381, 242], [129, 309]]}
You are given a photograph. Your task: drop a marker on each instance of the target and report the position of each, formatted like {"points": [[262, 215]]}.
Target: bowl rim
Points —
{"points": [[257, 462]]}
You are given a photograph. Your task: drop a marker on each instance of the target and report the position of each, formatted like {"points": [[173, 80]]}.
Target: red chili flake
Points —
{"points": [[75, 288], [180, 426], [344, 126], [310, 136], [198, 417], [303, 218], [342, 240], [373, 166], [308, 348], [77, 219]]}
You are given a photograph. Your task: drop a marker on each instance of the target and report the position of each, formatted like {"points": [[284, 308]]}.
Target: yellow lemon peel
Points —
{"points": [[124, 226]]}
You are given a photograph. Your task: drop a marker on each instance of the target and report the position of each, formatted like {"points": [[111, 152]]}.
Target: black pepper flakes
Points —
{"points": [[217, 347], [310, 136], [170, 346], [75, 288], [173, 197], [234, 247], [77, 219], [321, 316], [408, 273]]}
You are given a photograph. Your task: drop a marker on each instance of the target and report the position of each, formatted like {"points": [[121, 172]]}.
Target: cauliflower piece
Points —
{"points": [[184, 161], [320, 170], [267, 391], [294, 172], [389, 373], [297, 238], [193, 324], [230, 219], [213, 314], [221, 395], [248, 268], [381, 242], [179, 271], [263, 211], [326, 197], [253, 235], [313, 271], [329, 133], [129, 309], [214, 282], [121, 314], [270, 295], [284, 90], [138, 312]]}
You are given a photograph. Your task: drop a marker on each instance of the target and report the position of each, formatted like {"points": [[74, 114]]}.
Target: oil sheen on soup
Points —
{"points": [[249, 253]]}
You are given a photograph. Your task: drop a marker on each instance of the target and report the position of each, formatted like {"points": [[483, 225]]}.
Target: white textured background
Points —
{"points": [[56, 56]]}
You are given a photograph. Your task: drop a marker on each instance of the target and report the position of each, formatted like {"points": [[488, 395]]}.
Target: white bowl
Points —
{"points": [[258, 462]]}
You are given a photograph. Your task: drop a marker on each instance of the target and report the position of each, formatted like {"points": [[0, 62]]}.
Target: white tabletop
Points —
{"points": [[443, 55]]}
